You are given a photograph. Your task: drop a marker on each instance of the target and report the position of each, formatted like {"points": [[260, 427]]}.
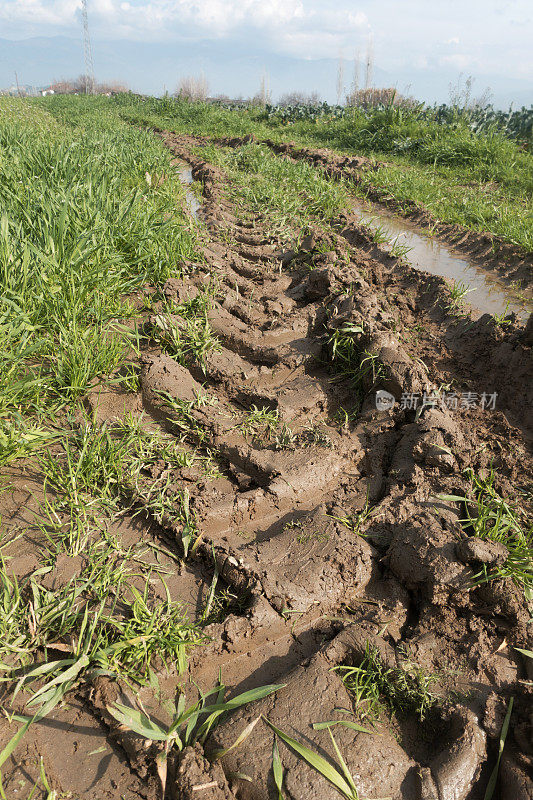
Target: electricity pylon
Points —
{"points": [[87, 50]]}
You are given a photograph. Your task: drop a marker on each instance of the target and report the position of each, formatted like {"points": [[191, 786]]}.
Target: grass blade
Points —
{"points": [[239, 740], [316, 761], [503, 735], [277, 769]]}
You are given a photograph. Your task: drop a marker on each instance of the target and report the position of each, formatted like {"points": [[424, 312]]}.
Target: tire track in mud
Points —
{"points": [[284, 528], [330, 535], [486, 248]]}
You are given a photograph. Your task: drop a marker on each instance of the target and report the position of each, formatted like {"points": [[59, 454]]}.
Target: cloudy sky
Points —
{"points": [[477, 37]]}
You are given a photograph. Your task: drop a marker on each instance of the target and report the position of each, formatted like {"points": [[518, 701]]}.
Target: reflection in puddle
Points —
{"points": [[490, 294], [185, 175]]}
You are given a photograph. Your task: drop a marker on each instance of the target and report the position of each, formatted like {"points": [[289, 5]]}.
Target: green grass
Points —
{"points": [[80, 230], [483, 181], [490, 516], [290, 195], [376, 688]]}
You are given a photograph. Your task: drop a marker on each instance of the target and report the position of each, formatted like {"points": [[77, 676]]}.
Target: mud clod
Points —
{"points": [[197, 777], [474, 550]]}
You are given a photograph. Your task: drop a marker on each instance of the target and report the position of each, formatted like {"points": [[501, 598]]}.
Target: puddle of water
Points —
{"points": [[490, 294], [191, 201]]}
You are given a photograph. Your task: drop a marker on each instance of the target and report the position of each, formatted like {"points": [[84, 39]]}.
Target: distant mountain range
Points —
{"points": [[152, 68]]}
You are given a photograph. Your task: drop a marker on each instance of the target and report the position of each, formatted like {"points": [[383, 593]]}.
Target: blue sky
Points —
{"points": [[477, 37]]}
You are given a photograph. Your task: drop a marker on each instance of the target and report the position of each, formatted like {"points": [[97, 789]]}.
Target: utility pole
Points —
{"points": [[87, 50]]}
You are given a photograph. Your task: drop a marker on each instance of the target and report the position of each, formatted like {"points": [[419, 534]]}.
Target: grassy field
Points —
{"points": [[90, 215], [483, 181]]}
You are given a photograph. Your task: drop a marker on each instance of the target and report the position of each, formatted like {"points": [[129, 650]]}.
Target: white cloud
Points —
{"points": [[38, 12], [458, 60], [459, 35], [303, 27]]}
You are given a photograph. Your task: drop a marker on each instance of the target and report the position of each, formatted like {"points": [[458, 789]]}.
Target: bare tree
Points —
{"points": [[193, 87], [355, 77], [369, 66], [340, 79], [296, 98]]}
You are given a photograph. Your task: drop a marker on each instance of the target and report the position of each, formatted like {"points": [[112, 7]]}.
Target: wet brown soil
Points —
{"points": [[318, 580]]}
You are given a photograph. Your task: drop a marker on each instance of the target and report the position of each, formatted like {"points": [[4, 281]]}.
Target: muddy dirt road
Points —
{"points": [[344, 402]]}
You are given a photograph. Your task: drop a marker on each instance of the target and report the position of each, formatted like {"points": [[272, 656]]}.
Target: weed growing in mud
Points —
{"points": [[490, 516], [186, 340], [458, 292], [360, 366], [343, 418], [356, 520], [403, 690], [89, 633], [189, 724], [500, 320], [260, 422], [264, 424], [183, 417], [107, 467]]}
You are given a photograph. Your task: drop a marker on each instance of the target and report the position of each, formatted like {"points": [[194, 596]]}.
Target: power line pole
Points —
{"points": [[87, 50]]}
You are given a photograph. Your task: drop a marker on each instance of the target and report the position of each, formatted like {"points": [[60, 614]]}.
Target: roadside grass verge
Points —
{"points": [[483, 181]]}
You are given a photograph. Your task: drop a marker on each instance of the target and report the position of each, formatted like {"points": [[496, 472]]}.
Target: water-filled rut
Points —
{"points": [[487, 292]]}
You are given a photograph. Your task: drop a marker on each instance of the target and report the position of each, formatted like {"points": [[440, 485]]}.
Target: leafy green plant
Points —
{"points": [[189, 724]]}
